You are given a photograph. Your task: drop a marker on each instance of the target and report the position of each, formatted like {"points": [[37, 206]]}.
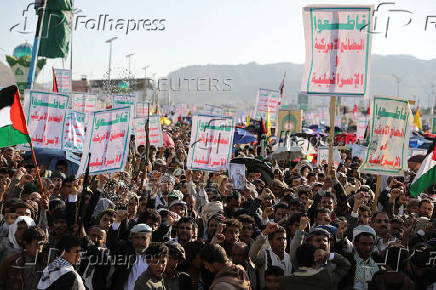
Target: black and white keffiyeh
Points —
{"points": [[54, 271]]}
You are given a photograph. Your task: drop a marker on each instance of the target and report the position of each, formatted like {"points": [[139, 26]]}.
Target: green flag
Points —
{"points": [[56, 29]]}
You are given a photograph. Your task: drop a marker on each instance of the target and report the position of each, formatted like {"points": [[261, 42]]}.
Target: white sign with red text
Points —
{"points": [[107, 139], [211, 142], [155, 131], [45, 114], [338, 50]]}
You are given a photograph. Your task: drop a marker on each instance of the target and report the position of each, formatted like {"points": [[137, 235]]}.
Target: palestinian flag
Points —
{"points": [[426, 175], [13, 128]]}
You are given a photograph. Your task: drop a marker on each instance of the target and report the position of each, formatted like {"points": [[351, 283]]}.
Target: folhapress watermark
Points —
{"points": [[79, 21], [106, 23]]}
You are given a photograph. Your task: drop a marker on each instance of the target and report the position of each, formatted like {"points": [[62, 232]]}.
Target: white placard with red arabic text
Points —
{"points": [[155, 131], [63, 80], [390, 123], [211, 143], [268, 102], [45, 115], [83, 102], [338, 50], [74, 131], [107, 139]]}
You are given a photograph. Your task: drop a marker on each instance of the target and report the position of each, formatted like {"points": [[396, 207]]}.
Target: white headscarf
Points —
{"points": [[13, 228]]}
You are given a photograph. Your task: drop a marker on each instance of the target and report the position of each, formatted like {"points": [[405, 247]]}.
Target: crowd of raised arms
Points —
{"points": [[307, 228]]}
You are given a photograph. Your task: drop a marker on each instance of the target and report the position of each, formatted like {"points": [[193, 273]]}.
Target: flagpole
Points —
{"points": [[71, 40], [332, 133], [35, 48], [41, 187], [147, 145], [282, 88], [80, 213], [377, 194]]}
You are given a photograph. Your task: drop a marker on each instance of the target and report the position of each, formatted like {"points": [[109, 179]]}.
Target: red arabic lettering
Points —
{"points": [[46, 117], [347, 45]]}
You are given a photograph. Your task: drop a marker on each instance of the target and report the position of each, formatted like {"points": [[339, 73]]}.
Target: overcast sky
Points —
{"points": [[211, 32]]}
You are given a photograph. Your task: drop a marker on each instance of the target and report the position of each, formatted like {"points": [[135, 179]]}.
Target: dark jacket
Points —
{"points": [[181, 281], [147, 281], [123, 259], [11, 271], [384, 280], [67, 281], [308, 280], [115, 237], [327, 277], [424, 280], [96, 261]]}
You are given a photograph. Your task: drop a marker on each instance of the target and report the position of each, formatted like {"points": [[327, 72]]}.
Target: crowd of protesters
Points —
{"points": [[159, 225]]}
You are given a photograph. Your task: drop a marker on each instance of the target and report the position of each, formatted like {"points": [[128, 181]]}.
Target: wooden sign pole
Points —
{"points": [[41, 186], [377, 194], [332, 132]]}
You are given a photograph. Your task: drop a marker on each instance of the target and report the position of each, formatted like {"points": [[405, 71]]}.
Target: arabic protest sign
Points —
{"points": [[74, 131], [213, 110], [391, 119], [361, 124], [338, 49], [211, 142], [83, 102], [289, 122], [237, 175], [107, 139], [119, 101], [267, 101], [63, 80], [323, 156], [155, 132], [45, 115], [141, 108]]}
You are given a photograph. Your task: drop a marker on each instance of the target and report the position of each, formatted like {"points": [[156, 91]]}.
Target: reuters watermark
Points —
{"points": [[199, 84]]}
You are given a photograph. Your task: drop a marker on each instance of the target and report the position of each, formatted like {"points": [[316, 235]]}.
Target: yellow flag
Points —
{"points": [[247, 121], [417, 120], [268, 122]]}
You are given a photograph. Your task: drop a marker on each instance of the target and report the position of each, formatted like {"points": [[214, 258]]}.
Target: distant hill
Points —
{"points": [[416, 78]]}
